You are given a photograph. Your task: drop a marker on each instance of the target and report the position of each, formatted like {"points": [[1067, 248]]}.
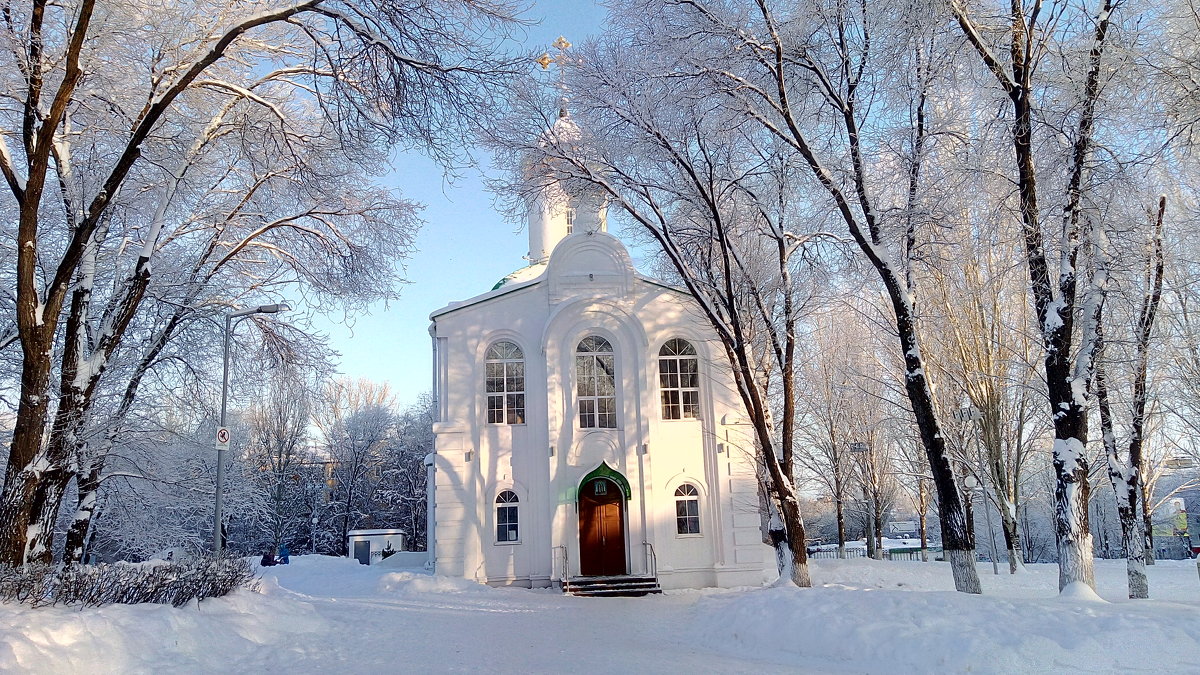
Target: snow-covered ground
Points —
{"points": [[333, 616]]}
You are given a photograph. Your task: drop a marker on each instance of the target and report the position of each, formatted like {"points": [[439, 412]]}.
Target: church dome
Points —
{"points": [[563, 132]]}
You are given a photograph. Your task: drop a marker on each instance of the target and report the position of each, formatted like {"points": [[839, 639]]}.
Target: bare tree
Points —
{"points": [[985, 350], [1124, 471], [727, 229], [356, 421], [806, 76], [1064, 296], [400, 496], [824, 401], [278, 444], [100, 162]]}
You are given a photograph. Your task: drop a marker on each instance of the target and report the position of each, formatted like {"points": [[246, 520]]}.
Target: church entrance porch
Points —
{"points": [[623, 586], [601, 528]]}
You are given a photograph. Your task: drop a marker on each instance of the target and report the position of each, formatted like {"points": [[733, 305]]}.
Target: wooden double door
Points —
{"points": [[601, 529]]}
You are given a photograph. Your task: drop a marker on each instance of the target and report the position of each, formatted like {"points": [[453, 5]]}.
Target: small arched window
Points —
{"points": [[687, 509], [507, 529], [679, 380], [596, 383], [505, 383]]}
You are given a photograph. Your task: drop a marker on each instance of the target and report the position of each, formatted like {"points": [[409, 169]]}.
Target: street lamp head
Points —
{"points": [[272, 309]]}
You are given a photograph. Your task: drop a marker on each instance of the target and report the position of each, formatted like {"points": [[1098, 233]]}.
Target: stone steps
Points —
{"points": [[614, 586]]}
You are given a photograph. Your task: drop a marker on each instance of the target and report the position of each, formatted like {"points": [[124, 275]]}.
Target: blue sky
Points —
{"points": [[464, 247]]}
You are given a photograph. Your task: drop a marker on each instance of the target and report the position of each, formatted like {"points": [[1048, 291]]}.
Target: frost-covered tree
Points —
{"points": [[400, 496], [825, 391], [685, 87], [186, 148], [721, 210], [985, 351], [1057, 62], [157, 491], [278, 449], [356, 421]]}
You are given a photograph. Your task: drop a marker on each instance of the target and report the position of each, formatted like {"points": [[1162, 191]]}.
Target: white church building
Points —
{"points": [[588, 425]]}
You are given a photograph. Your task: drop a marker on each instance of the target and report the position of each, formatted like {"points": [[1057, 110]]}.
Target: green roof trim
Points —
{"points": [[606, 471], [523, 274]]}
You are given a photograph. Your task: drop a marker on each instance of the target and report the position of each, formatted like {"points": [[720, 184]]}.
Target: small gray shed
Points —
{"points": [[371, 546]]}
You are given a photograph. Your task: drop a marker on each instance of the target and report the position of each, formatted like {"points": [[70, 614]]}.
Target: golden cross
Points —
{"points": [[545, 59]]}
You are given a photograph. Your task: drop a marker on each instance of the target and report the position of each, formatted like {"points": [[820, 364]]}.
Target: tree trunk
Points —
{"points": [[47, 499], [791, 561], [1135, 545], [85, 512], [1071, 493], [869, 531], [924, 537], [1012, 539], [841, 528], [838, 490], [878, 520], [1147, 523], [26, 455]]}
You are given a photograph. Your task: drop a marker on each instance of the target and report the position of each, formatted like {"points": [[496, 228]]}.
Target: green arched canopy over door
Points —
{"points": [[606, 471], [602, 496]]}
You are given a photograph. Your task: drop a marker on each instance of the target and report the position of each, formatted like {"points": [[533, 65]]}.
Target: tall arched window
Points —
{"points": [[679, 380], [596, 383], [687, 509], [505, 382], [506, 517]]}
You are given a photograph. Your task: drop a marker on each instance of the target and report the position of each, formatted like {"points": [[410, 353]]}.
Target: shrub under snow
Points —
{"points": [[173, 583]]}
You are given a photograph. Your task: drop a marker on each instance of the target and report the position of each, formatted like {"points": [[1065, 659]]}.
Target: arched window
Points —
{"points": [[687, 509], [596, 384], [679, 380], [506, 517], [505, 375]]}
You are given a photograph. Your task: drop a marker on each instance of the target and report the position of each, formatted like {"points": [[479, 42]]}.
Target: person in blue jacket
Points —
{"points": [[283, 554]]}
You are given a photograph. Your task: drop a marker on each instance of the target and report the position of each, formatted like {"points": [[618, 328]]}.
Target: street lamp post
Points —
{"points": [[218, 535], [315, 520]]}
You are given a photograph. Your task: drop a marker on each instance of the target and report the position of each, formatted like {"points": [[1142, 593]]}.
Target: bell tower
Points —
{"points": [[554, 214]]}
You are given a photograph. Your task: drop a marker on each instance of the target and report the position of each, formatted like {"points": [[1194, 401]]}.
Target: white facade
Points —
{"points": [[530, 463]]}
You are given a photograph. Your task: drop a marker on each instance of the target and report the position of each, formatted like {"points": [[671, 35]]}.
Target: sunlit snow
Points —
{"points": [[332, 615]]}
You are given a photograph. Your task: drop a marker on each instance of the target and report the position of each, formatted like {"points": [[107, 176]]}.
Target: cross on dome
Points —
{"points": [[545, 60], [561, 59]]}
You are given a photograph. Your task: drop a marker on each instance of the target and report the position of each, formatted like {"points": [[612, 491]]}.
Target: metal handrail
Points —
{"points": [[562, 577], [651, 559]]}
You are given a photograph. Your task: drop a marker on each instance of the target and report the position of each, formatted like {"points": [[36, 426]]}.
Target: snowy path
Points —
{"points": [[521, 632], [323, 615], [438, 625]]}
